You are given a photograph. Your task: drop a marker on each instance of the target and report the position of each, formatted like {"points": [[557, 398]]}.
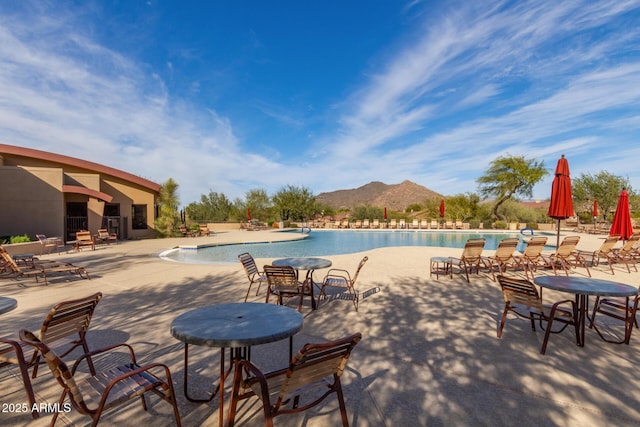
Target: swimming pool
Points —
{"points": [[337, 242]]}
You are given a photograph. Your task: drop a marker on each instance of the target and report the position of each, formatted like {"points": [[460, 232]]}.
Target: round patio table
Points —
{"points": [[310, 264], [582, 287], [7, 304], [236, 326]]}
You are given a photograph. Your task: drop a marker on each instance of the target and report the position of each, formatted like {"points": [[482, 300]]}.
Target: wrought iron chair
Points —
{"points": [[521, 298], [532, 257], [253, 274], [115, 385], [11, 353], [314, 365], [339, 278], [566, 255], [503, 257]]}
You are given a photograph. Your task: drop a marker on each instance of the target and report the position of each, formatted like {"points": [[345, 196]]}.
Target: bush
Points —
{"points": [[474, 223], [488, 224], [501, 225], [19, 239]]}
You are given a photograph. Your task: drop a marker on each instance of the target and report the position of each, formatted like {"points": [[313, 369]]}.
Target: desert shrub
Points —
{"points": [[501, 225], [19, 239]]}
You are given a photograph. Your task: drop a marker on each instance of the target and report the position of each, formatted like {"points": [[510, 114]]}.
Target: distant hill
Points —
{"points": [[394, 196]]}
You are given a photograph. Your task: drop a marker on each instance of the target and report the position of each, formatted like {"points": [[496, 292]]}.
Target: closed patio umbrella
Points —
{"points": [[441, 210], [561, 205], [621, 225], [248, 215], [595, 214]]}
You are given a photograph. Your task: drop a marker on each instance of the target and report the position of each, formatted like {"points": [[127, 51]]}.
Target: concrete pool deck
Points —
{"points": [[429, 353]]}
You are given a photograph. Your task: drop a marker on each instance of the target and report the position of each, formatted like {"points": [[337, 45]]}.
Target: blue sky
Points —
{"points": [[237, 95]]}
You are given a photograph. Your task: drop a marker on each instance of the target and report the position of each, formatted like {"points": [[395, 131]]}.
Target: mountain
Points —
{"points": [[392, 196]]}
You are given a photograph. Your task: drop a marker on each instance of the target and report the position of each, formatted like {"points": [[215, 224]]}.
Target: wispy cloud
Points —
{"points": [[467, 82]]}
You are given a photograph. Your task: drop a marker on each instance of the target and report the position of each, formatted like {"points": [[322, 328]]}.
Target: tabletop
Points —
{"points": [[586, 286], [236, 324], [7, 304], [303, 263]]}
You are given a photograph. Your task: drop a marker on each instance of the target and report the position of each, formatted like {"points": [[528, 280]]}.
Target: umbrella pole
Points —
{"points": [[558, 238]]}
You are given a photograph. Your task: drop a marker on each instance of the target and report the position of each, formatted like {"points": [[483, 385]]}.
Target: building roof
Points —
{"points": [[79, 163]]}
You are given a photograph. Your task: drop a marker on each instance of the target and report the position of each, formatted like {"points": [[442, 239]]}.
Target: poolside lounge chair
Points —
{"points": [[448, 224], [629, 249], [566, 256], [37, 268], [253, 274], [521, 298], [366, 223], [424, 224], [339, 278], [471, 257], [402, 224], [532, 257], [503, 257], [376, 223], [49, 243], [357, 224], [393, 224], [434, 224], [113, 386], [84, 238], [315, 367], [458, 224], [605, 251], [345, 223], [103, 236], [415, 224], [204, 230]]}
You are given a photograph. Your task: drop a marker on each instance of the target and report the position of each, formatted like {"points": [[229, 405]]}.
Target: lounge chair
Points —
{"points": [[84, 238], [204, 230], [103, 236], [458, 224], [605, 251], [345, 223], [316, 367], [424, 224], [11, 353], [448, 224], [566, 256], [253, 274], [393, 224], [434, 224], [415, 224], [339, 278], [376, 223], [532, 257], [357, 224], [366, 223], [49, 243], [113, 386], [37, 268], [521, 298], [629, 249], [471, 257], [503, 257], [402, 224]]}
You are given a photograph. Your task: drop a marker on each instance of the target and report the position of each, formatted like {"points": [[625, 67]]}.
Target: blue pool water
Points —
{"points": [[322, 243]]}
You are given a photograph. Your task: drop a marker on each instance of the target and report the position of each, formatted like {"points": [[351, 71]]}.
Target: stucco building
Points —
{"points": [[56, 195]]}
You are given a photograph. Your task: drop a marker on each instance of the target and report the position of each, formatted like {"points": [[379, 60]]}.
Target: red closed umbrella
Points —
{"points": [[441, 210], [561, 205], [595, 213], [248, 215], [621, 225]]}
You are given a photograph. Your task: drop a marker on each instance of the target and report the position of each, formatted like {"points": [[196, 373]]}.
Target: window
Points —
{"points": [[139, 215]]}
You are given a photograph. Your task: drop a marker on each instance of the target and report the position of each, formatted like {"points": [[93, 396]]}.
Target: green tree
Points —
{"points": [[603, 187], [212, 207], [259, 203], [295, 203], [461, 206], [168, 202], [508, 177]]}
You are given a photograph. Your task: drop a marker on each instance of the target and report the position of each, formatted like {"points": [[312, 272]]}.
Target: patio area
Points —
{"points": [[429, 353]]}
